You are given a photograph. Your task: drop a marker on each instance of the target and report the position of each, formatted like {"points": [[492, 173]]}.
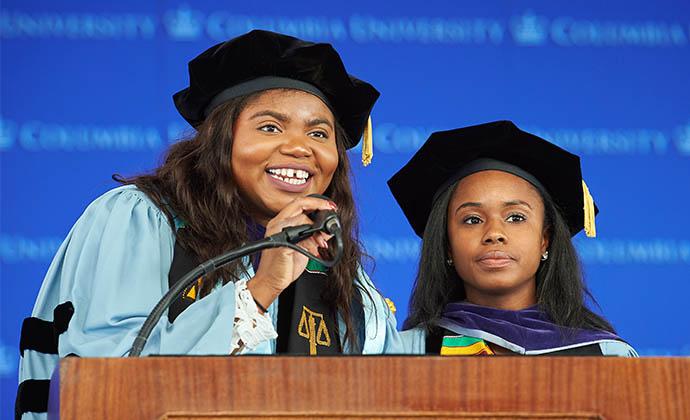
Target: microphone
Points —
{"points": [[323, 221], [326, 221]]}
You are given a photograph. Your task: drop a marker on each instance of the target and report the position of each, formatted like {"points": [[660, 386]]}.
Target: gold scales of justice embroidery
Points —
{"points": [[308, 329]]}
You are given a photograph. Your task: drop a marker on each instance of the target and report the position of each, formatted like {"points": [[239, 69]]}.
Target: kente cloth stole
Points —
{"points": [[464, 346]]}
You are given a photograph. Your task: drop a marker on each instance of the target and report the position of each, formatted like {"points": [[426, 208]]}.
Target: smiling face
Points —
{"points": [[284, 147], [496, 236]]}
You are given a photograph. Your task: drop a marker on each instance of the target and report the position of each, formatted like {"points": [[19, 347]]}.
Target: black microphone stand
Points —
{"points": [[287, 238]]}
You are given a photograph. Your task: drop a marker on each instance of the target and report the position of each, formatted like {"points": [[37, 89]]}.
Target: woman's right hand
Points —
{"points": [[280, 267]]}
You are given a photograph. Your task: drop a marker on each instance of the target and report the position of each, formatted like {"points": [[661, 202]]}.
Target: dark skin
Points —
{"points": [[284, 149], [497, 237]]}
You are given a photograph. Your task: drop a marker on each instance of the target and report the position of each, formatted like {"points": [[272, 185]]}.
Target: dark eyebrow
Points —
{"points": [[468, 204], [268, 113], [285, 118], [505, 204], [516, 203], [317, 121]]}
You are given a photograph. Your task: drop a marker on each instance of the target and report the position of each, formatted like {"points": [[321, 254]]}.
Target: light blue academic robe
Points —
{"points": [[113, 266]]}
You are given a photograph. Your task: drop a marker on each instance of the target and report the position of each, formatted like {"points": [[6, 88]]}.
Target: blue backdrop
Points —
{"points": [[86, 92]]}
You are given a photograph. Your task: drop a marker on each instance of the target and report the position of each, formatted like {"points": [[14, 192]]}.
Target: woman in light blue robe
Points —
{"points": [[263, 143]]}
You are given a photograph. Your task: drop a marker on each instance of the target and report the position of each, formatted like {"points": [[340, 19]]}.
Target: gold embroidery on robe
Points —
{"points": [[391, 305], [308, 329], [192, 290]]}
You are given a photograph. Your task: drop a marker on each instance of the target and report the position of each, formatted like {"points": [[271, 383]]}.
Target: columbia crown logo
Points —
{"points": [[184, 23], [529, 29]]}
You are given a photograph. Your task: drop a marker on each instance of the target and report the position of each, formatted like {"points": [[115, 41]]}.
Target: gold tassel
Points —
{"points": [[590, 226], [367, 144]]}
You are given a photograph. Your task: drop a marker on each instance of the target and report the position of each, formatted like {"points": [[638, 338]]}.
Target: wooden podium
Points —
{"points": [[375, 387]]}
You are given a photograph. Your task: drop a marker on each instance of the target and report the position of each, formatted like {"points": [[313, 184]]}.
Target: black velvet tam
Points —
{"points": [[448, 156], [261, 60]]}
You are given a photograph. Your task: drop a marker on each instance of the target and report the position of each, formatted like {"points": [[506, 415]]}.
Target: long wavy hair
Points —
{"points": [[561, 290], [195, 182]]}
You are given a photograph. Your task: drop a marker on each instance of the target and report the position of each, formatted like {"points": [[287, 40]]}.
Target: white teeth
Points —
{"points": [[293, 181], [290, 173]]}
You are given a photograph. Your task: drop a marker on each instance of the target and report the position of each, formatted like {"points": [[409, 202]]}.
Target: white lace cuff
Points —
{"points": [[250, 327]]}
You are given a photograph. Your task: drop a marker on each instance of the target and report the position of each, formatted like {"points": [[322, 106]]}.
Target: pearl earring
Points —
{"points": [[449, 262], [545, 256]]}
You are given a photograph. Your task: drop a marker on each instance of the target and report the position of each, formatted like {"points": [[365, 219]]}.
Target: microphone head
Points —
{"points": [[322, 218], [332, 224], [325, 220]]}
